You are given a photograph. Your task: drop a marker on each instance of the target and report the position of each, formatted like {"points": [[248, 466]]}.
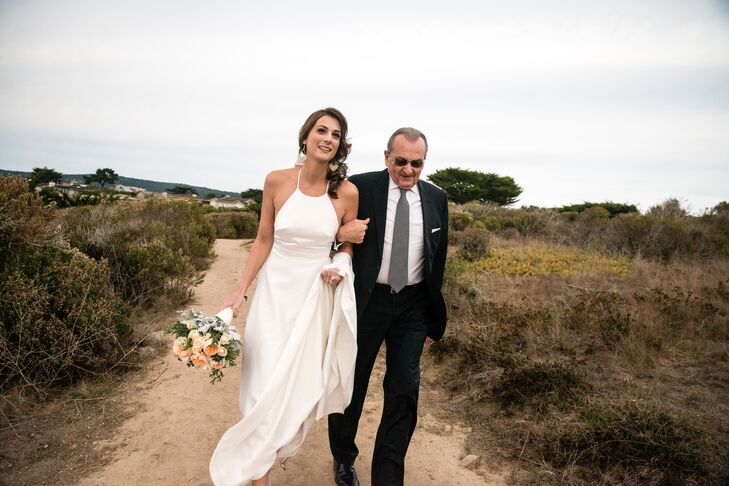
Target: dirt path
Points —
{"points": [[180, 417]]}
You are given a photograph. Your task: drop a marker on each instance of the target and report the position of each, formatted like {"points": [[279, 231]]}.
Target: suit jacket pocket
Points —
{"points": [[434, 234]]}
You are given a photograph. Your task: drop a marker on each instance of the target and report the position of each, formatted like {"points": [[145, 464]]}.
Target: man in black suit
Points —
{"points": [[398, 269]]}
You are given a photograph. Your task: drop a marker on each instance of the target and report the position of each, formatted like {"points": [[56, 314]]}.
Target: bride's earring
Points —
{"points": [[301, 157], [333, 166]]}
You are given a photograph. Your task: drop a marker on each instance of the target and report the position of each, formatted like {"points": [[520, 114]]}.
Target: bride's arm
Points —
{"points": [[350, 197], [261, 246]]}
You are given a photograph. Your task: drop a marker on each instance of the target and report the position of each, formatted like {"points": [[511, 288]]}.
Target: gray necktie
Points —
{"points": [[398, 275]]}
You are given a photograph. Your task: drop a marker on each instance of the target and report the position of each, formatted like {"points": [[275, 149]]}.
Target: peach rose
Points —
{"points": [[222, 351], [217, 365], [194, 334], [225, 338], [199, 360], [211, 349], [184, 353]]}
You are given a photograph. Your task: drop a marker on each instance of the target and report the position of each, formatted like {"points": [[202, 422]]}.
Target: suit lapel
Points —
{"points": [[379, 196], [429, 222]]}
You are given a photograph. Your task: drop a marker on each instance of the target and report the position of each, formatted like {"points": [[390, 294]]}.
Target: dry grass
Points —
{"points": [[611, 371]]}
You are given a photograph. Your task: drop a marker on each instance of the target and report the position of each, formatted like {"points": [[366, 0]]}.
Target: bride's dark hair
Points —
{"points": [[336, 176]]}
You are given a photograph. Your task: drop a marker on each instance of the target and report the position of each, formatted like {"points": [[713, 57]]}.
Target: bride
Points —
{"points": [[299, 344]]}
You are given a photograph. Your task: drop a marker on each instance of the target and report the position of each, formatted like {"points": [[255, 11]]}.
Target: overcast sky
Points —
{"points": [[623, 100]]}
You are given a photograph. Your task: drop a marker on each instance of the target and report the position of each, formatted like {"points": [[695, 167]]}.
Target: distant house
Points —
{"points": [[123, 188], [181, 197], [228, 202], [69, 189]]}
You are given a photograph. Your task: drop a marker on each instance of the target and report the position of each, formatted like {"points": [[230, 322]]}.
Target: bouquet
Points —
{"points": [[208, 342]]}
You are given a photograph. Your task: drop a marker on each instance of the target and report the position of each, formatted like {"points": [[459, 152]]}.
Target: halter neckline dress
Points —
{"points": [[299, 345]]}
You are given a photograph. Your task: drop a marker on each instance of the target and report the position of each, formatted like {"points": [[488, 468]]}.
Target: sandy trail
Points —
{"points": [[180, 417]]}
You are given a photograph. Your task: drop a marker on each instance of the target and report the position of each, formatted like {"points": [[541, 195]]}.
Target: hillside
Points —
{"points": [[153, 186]]}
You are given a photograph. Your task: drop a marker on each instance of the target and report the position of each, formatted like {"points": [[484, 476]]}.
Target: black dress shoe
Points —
{"points": [[345, 475]]}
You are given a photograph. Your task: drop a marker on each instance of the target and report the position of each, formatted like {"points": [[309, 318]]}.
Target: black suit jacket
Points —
{"points": [[373, 188]]}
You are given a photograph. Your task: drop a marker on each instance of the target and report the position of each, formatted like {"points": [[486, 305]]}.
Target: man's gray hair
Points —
{"points": [[410, 133]]}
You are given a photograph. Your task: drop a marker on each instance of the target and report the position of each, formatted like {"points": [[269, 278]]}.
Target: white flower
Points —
{"points": [[222, 351], [194, 334], [190, 325], [225, 338]]}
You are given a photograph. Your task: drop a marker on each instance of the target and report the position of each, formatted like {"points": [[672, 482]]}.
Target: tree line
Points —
{"points": [[44, 175]]}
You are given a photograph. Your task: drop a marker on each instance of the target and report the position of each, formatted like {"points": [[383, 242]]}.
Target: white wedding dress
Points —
{"points": [[299, 345]]}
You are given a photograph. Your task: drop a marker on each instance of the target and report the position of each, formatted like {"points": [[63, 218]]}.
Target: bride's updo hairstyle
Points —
{"points": [[337, 170]]}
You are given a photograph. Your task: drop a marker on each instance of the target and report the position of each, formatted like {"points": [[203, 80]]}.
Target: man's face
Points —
{"points": [[408, 153]]}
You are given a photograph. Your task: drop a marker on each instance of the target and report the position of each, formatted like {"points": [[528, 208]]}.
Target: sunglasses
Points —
{"points": [[415, 164]]}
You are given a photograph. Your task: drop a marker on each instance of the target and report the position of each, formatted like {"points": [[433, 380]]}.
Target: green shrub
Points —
{"points": [[473, 244], [154, 248], [594, 214], [59, 318], [152, 270], [459, 220], [238, 224], [458, 273], [666, 232], [491, 223], [23, 219], [612, 208]]}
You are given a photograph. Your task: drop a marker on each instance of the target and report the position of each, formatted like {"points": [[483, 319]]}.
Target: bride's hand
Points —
{"points": [[234, 303], [331, 276]]}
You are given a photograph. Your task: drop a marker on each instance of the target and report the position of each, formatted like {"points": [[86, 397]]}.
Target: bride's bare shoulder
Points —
{"points": [[348, 191], [277, 178]]}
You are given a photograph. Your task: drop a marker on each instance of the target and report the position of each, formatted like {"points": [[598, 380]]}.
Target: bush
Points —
{"points": [[666, 232], [459, 220], [668, 209], [539, 385], [612, 208], [624, 437], [155, 248], [153, 270], [233, 225], [23, 219], [458, 273], [473, 244], [62, 309], [59, 318]]}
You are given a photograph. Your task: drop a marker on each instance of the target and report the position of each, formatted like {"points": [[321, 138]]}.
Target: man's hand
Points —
{"points": [[354, 231]]}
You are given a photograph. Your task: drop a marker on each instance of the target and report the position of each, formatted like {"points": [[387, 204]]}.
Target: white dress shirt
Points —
{"points": [[416, 256]]}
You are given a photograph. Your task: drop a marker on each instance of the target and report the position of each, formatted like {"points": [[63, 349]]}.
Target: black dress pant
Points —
{"points": [[401, 321]]}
